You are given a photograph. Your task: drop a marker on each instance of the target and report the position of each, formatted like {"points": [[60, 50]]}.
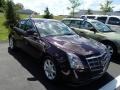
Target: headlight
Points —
{"points": [[75, 62]]}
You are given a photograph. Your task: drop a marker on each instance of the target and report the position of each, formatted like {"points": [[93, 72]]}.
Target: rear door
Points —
{"points": [[76, 24]]}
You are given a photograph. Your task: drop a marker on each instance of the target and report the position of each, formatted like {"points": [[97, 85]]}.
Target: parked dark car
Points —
{"points": [[63, 54]]}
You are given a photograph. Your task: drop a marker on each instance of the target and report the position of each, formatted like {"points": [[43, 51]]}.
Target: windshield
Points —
{"points": [[101, 26], [53, 28]]}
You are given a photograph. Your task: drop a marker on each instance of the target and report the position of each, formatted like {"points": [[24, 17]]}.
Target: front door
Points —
{"points": [[33, 43]]}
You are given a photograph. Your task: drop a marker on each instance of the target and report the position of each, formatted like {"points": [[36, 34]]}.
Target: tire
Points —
{"points": [[50, 69], [12, 45], [112, 48]]}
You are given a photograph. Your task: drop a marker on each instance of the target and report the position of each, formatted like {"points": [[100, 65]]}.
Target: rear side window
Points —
{"points": [[66, 22], [91, 17], [114, 21], [28, 25], [102, 19], [75, 23]]}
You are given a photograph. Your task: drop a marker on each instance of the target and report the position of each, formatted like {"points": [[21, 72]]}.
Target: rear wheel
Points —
{"points": [[12, 43]]}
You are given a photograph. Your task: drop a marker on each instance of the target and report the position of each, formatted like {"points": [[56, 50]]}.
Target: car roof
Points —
{"points": [[114, 16], [102, 15], [40, 19], [94, 15], [72, 19], [89, 20]]}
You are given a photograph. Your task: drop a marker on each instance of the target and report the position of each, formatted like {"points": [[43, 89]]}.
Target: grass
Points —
{"points": [[4, 30]]}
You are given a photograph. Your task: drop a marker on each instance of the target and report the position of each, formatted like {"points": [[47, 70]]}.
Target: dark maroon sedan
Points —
{"points": [[63, 53]]}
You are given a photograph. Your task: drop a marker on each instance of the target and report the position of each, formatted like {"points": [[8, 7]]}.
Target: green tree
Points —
{"points": [[47, 14], [2, 5], [11, 16], [74, 4], [19, 6], [106, 7], [89, 12]]}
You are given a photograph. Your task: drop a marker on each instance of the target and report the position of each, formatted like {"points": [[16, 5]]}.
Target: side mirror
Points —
{"points": [[92, 29], [32, 33]]}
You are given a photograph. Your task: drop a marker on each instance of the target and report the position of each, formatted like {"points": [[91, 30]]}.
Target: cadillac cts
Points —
{"points": [[63, 54]]}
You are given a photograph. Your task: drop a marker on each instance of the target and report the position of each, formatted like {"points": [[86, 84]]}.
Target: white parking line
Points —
{"points": [[114, 84]]}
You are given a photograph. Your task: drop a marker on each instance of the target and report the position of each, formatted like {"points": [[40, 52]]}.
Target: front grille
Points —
{"points": [[97, 63]]}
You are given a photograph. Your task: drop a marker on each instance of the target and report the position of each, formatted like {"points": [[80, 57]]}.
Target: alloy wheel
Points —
{"points": [[110, 48], [49, 69], [11, 43]]}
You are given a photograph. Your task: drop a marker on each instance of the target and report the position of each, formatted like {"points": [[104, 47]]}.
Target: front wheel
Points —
{"points": [[50, 69], [112, 49]]}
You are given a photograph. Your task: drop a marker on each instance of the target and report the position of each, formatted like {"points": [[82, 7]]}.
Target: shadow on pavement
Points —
{"points": [[31, 65]]}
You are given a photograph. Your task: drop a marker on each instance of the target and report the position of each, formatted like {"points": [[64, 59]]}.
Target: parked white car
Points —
{"points": [[112, 21]]}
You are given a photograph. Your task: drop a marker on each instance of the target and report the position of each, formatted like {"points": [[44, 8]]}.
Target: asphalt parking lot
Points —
{"points": [[19, 71]]}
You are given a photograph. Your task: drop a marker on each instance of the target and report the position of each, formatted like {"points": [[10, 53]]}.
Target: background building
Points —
{"points": [[83, 12]]}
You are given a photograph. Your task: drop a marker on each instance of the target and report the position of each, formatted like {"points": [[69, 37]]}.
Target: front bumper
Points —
{"points": [[83, 77]]}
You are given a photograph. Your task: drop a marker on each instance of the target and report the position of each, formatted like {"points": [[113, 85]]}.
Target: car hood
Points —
{"points": [[77, 44]]}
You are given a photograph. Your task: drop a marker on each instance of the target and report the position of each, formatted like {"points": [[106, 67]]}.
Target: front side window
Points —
{"points": [[86, 25], [102, 19], [53, 28], [114, 21], [100, 26]]}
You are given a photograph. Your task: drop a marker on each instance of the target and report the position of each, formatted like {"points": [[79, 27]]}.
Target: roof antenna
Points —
{"points": [[32, 15]]}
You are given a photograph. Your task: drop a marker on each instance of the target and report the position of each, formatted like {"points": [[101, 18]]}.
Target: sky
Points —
{"points": [[59, 7]]}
